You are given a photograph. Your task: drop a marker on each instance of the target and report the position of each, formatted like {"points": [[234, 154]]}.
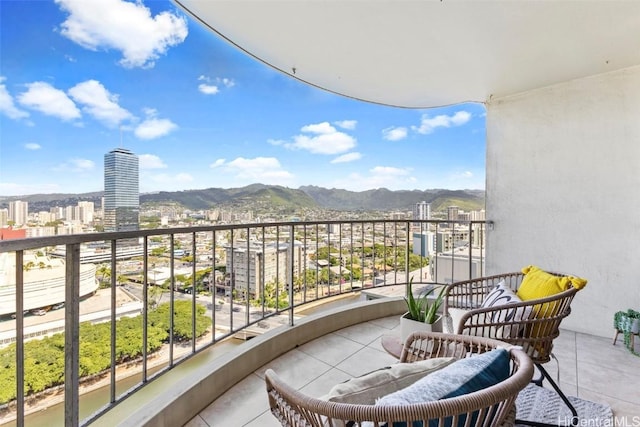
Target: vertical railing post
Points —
{"points": [[340, 258], [384, 248], [72, 336], [213, 288], [290, 274], [145, 305], [112, 388], [193, 292], [20, 338], [406, 251], [373, 253], [247, 293], [232, 278], [262, 278], [453, 247], [172, 284], [470, 250]]}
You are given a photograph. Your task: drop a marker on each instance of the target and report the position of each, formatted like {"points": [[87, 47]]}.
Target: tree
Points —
{"points": [[269, 296], [154, 295], [158, 251], [181, 320], [105, 275]]}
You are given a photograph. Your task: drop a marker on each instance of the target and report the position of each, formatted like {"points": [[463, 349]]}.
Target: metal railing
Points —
{"points": [[244, 277]]}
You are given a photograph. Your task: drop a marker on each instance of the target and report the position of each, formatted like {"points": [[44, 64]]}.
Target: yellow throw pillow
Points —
{"points": [[537, 283]]}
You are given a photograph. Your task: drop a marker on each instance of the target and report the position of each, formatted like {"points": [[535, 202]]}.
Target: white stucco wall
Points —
{"points": [[563, 188]]}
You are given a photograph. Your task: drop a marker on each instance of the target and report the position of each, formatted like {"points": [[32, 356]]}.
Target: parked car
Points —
{"points": [[39, 312]]}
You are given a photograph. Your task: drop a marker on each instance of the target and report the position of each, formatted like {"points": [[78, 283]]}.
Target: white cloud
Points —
{"points": [[7, 107], [43, 97], [76, 165], [124, 26], [226, 81], [151, 161], [389, 171], [334, 143], [150, 112], [429, 124], [208, 89], [98, 102], [154, 128], [32, 146], [378, 177], [266, 170], [394, 133], [276, 142], [323, 128], [349, 157], [213, 89], [217, 163], [325, 139], [347, 124], [82, 164]]}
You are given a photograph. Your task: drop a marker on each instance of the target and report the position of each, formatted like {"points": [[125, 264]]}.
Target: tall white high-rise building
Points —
{"points": [[453, 213], [18, 212], [121, 191], [422, 210], [69, 213], [85, 212], [57, 212]]}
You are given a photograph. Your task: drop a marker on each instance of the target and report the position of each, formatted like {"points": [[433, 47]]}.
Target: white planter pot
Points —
{"points": [[635, 326], [408, 326]]}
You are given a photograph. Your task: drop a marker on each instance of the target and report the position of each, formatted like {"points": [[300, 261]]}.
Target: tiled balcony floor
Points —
{"points": [[591, 368]]}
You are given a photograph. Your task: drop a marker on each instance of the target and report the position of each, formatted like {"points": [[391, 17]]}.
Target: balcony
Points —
{"points": [[333, 317]]}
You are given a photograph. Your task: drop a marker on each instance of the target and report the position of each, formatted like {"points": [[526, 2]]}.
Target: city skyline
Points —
{"points": [[199, 112]]}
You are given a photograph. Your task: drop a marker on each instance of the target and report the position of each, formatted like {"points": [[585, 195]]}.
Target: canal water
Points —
{"points": [[94, 400], [89, 403]]}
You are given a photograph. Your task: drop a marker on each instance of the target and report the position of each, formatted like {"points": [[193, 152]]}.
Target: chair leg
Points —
{"points": [[565, 399]]}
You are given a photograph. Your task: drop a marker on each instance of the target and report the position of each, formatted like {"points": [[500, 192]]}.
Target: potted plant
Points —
{"points": [[422, 312]]}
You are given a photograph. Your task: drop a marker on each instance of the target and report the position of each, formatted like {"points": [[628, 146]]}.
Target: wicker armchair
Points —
{"points": [[491, 405], [534, 332]]}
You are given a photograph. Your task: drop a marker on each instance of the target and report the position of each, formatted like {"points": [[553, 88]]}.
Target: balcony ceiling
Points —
{"points": [[430, 53]]}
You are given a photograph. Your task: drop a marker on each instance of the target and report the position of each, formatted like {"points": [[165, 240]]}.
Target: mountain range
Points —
{"points": [[380, 199]]}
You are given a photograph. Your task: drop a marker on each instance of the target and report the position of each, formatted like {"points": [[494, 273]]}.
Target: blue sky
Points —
{"points": [[78, 79]]}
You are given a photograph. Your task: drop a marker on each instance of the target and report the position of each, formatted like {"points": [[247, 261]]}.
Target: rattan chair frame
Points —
{"points": [[488, 407], [535, 333]]}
